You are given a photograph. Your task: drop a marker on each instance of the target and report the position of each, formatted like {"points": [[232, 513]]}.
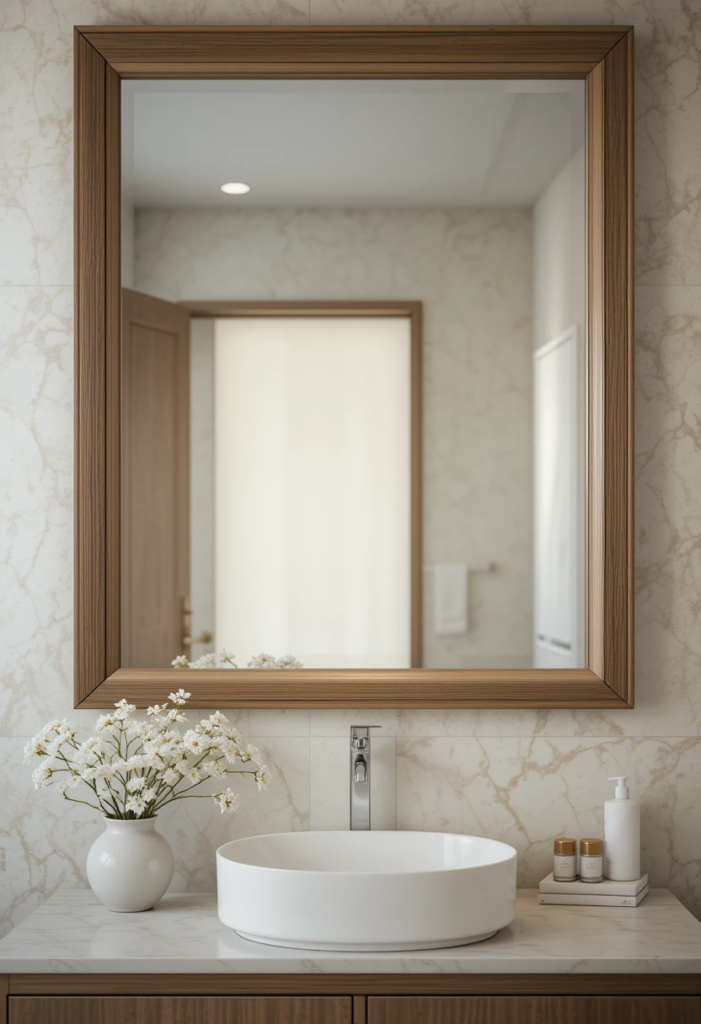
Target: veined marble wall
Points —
{"points": [[472, 270], [522, 776]]}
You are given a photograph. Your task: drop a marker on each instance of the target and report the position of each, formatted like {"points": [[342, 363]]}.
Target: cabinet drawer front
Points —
{"points": [[534, 1010], [179, 1010]]}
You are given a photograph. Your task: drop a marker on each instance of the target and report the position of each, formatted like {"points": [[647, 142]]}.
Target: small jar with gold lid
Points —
{"points": [[591, 860], [565, 860]]}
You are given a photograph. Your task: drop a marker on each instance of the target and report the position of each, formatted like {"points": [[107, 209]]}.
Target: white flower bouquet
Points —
{"points": [[133, 768], [225, 660]]}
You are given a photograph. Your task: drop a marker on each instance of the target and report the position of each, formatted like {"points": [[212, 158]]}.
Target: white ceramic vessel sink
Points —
{"points": [[373, 891]]}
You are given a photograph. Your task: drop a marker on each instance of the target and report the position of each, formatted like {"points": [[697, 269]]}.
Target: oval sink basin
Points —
{"points": [[373, 891]]}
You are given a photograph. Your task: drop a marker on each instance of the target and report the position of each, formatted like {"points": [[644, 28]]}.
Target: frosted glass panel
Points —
{"points": [[312, 483]]}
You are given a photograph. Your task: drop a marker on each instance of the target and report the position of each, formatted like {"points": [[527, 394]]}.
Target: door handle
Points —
{"points": [[186, 640]]}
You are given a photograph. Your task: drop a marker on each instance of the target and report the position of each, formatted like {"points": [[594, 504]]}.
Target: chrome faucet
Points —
{"points": [[360, 776]]}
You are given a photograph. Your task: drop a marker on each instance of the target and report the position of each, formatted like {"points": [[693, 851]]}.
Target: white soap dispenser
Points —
{"points": [[621, 834]]}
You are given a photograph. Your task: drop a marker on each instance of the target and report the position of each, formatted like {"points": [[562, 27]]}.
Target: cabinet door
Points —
{"points": [[179, 1010], [534, 1010]]}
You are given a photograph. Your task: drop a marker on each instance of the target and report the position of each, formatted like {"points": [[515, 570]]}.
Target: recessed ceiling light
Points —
{"points": [[235, 188]]}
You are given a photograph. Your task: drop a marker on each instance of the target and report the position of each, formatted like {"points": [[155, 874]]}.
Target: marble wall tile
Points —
{"points": [[527, 774], [527, 791], [36, 487], [43, 840]]}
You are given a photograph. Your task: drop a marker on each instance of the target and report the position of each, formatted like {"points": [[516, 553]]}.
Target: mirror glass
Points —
{"points": [[353, 380]]}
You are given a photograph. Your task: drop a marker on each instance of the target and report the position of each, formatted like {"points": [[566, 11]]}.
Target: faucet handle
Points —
{"points": [[360, 735]]}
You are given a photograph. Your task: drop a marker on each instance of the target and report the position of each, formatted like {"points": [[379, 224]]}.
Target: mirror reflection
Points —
{"points": [[353, 374]]}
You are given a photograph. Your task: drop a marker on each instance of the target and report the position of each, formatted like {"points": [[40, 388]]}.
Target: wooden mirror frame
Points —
{"points": [[602, 56]]}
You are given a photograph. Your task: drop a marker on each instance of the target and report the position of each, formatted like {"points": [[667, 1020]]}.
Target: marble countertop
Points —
{"points": [[73, 933]]}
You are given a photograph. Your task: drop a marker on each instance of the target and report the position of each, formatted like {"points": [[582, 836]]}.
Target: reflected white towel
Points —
{"points": [[450, 597]]}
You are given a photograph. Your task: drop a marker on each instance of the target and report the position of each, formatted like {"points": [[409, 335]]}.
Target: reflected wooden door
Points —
{"points": [[155, 478]]}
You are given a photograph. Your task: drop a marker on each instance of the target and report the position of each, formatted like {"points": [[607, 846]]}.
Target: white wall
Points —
{"points": [[472, 270], [524, 776], [559, 255], [559, 304], [201, 480]]}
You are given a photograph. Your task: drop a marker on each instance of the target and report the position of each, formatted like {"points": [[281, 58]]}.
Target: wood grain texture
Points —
{"points": [[4, 992], [179, 1010], [596, 269], [301, 308], [383, 688], [360, 1008], [90, 403], [617, 359], [416, 499], [356, 984], [602, 55], [113, 332], [333, 52], [155, 511], [534, 1010]]}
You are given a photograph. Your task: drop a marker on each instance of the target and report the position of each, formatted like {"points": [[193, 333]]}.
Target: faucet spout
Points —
{"points": [[360, 818]]}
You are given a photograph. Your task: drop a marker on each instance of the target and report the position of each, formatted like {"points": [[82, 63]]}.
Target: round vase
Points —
{"points": [[130, 865]]}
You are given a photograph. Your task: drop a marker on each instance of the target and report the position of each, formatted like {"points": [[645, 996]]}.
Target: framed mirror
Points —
{"points": [[354, 366]]}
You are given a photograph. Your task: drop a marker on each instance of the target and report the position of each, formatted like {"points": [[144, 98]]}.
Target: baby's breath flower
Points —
{"points": [[140, 730], [42, 775], [33, 749], [196, 742], [70, 783], [136, 804], [124, 709], [95, 745], [179, 697], [206, 661], [249, 754], [149, 759], [228, 801], [105, 722], [263, 661], [230, 749], [289, 662], [137, 761], [180, 662]]}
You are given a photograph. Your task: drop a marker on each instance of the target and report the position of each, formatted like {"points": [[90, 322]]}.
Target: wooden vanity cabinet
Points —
{"points": [[180, 1010], [350, 999], [534, 1010]]}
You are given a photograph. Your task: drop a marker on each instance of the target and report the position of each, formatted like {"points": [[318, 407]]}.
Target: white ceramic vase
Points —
{"points": [[130, 865]]}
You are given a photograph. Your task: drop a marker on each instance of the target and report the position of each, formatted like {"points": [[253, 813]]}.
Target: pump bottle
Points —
{"points": [[621, 834]]}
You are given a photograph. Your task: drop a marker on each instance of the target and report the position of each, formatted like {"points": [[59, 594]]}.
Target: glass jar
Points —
{"points": [[565, 860], [591, 860]]}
